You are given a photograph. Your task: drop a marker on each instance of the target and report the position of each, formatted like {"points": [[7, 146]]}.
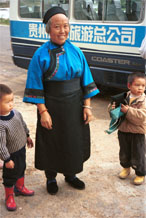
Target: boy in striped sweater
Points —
{"points": [[14, 135]]}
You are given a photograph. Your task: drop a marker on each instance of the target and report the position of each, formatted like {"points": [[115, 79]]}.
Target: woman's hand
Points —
{"points": [[46, 120], [87, 113]]}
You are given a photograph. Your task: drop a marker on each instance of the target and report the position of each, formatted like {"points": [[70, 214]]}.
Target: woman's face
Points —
{"points": [[59, 29]]}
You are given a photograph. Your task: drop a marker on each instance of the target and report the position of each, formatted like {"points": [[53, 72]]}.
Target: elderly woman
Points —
{"points": [[59, 81]]}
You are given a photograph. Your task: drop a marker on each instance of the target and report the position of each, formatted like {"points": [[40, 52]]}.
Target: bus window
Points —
{"points": [[108, 10], [51, 3], [27, 9], [113, 11], [93, 10], [34, 8], [133, 10], [86, 9], [122, 10]]}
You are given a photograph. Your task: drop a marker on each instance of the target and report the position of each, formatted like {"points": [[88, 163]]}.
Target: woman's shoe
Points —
{"points": [[75, 183], [139, 180], [52, 186], [124, 173]]}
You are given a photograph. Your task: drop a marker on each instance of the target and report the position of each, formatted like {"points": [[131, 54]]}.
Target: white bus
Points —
{"points": [[109, 32]]}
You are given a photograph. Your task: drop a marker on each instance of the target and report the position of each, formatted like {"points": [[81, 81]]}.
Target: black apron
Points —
{"points": [[64, 148]]}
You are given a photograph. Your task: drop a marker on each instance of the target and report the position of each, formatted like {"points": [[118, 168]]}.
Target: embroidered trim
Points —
{"points": [[54, 55], [90, 88], [33, 96], [34, 93]]}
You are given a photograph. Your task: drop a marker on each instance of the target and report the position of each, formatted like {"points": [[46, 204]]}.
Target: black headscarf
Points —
{"points": [[52, 11]]}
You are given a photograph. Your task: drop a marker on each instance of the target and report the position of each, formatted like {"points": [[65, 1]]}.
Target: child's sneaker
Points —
{"points": [[138, 180], [124, 173]]}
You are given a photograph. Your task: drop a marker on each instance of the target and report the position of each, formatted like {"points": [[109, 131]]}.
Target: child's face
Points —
{"points": [[138, 86], [6, 104]]}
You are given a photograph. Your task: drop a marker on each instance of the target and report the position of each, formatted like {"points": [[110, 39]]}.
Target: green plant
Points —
{"points": [[4, 21]]}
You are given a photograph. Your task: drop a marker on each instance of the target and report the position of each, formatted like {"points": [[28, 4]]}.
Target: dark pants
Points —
{"points": [[132, 152], [50, 175], [10, 176]]}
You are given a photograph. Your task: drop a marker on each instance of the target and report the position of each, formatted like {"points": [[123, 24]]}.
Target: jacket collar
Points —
{"points": [[138, 99]]}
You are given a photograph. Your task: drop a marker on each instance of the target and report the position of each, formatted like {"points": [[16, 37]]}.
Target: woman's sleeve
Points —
{"points": [[34, 91], [89, 87]]}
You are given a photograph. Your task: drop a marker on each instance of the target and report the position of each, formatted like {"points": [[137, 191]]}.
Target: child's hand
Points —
{"points": [[124, 108], [10, 164], [113, 106], [29, 142]]}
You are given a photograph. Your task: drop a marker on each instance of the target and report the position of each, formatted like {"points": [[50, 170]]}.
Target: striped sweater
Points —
{"points": [[13, 134]]}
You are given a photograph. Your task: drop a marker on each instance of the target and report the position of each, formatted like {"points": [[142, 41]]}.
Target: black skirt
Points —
{"points": [[64, 148]]}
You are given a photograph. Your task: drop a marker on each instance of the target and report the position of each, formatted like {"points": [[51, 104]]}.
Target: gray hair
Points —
{"points": [[48, 26]]}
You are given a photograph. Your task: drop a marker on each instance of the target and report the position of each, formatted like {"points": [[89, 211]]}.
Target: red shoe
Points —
{"points": [[20, 189], [10, 202]]}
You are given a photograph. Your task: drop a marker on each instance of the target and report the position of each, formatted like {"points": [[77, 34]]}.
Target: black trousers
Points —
{"points": [[132, 152], [50, 175], [10, 176]]}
